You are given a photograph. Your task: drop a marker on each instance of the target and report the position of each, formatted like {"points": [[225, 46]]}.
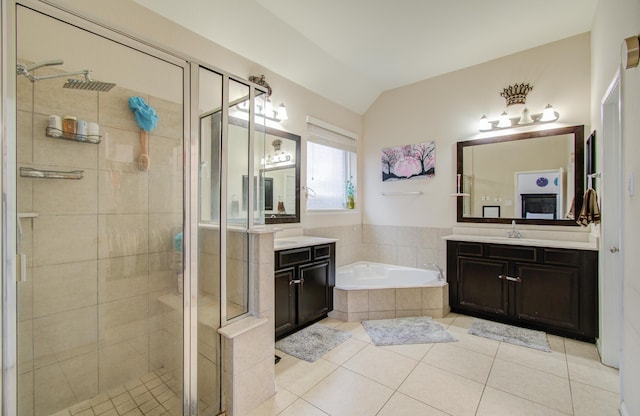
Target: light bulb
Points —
{"points": [[525, 118], [484, 125], [504, 120], [282, 112], [549, 114]]}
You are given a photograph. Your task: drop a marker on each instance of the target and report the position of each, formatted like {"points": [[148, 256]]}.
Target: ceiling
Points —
{"points": [[350, 51]]}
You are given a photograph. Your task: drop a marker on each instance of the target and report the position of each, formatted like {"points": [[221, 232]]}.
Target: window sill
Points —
{"points": [[328, 211]]}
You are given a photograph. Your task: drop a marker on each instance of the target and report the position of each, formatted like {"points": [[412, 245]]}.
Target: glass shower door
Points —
{"points": [[100, 220]]}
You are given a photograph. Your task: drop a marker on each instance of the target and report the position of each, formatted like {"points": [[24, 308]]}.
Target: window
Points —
{"points": [[331, 163]]}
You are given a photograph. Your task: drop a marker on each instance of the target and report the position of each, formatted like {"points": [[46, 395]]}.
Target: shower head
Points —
{"points": [[86, 84]]}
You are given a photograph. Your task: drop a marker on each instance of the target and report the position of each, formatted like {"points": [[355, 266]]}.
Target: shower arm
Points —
{"points": [[26, 71]]}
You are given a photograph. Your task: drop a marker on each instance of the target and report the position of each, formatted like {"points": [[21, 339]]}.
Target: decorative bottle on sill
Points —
{"points": [[350, 191]]}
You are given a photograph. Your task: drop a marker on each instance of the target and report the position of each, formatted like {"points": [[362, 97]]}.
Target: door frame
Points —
{"points": [[611, 269]]}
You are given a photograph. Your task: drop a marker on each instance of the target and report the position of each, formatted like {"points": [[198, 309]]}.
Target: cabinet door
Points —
{"points": [[548, 295], [285, 301], [480, 287], [313, 292]]}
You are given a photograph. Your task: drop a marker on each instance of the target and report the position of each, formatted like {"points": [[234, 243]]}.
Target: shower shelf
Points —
{"points": [[57, 134], [50, 174]]}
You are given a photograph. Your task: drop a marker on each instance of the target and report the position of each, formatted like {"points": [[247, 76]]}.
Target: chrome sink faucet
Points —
{"points": [[514, 233]]}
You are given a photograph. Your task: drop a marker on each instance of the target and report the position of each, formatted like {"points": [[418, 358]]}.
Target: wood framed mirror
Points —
{"points": [[534, 177]]}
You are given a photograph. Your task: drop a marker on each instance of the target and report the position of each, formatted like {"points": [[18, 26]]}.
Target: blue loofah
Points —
{"points": [[145, 115]]}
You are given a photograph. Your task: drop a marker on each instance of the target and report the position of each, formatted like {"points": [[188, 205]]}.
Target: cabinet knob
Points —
{"points": [[614, 249]]}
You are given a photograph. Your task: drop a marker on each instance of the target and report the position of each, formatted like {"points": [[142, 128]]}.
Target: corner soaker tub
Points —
{"points": [[366, 290]]}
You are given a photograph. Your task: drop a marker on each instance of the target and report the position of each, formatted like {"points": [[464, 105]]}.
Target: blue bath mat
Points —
{"points": [[413, 330]]}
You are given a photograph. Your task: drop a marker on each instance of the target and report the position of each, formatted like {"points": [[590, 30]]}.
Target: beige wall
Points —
{"points": [[616, 20], [446, 109]]}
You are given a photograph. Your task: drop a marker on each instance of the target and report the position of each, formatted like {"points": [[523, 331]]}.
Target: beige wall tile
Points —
{"points": [[339, 300], [208, 389], [64, 335], [388, 254], [119, 149], [123, 192], [165, 194], [66, 197], [162, 231], [122, 277], [162, 272], [166, 155], [80, 239], [25, 394], [114, 109], [64, 287], [25, 347], [357, 301], [119, 364], [25, 298], [408, 298], [382, 315], [432, 298], [406, 256], [405, 313], [170, 116], [24, 137], [123, 235], [382, 300], [253, 386], [357, 316]]}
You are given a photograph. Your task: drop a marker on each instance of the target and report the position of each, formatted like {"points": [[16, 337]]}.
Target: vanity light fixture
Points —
{"points": [[517, 94], [264, 107], [279, 158]]}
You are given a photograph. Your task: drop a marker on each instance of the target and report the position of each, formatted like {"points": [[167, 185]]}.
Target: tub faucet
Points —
{"points": [[514, 233], [438, 268]]}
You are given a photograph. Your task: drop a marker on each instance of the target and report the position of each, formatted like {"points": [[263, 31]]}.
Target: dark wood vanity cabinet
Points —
{"points": [[550, 289], [304, 282]]}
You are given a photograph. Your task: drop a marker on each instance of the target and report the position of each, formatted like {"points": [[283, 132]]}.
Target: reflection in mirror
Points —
{"points": [[280, 168], [534, 177]]}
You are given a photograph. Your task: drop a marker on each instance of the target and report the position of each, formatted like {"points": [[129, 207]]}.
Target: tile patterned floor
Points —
{"points": [[154, 394], [474, 376]]}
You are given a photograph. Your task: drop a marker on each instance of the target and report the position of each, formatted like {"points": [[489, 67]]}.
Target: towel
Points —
{"points": [[590, 211]]}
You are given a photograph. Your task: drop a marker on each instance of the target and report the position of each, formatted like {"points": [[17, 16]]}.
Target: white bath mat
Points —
{"points": [[414, 330], [312, 342], [511, 334]]}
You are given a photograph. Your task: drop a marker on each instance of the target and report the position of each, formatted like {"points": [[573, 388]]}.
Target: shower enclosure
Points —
{"points": [[130, 248]]}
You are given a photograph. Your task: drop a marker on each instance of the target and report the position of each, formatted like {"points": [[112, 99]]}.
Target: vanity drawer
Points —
{"points": [[286, 258], [513, 252], [321, 252], [470, 249], [561, 257]]}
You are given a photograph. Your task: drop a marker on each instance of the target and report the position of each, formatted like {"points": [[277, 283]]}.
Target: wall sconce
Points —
{"points": [[517, 94], [263, 105]]}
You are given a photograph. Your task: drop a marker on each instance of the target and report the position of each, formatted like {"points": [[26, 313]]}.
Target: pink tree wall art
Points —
{"points": [[412, 161]]}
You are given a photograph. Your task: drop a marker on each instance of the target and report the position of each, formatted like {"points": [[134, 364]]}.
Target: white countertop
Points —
{"points": [[300, 241], [536, 242]]}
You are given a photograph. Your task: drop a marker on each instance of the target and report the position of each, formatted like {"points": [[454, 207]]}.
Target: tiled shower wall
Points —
{"points": [[402, 246], [99, 253]]}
